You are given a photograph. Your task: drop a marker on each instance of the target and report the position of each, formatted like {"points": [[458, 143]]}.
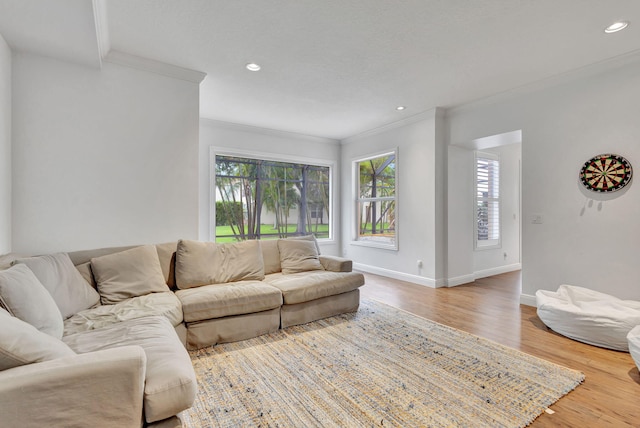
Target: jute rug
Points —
{"points": [[379, 367]]}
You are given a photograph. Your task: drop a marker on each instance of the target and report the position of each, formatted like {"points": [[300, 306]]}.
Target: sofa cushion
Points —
{"points": [[165, 304], [26, 298], [298, 256], [129, 273], [270, 256], [85, 271], [203, 263], [21, 343], [306, 286], [167, 257], [62, 280], [6, 260], [310, 238], [170, 382], [221, 300]]}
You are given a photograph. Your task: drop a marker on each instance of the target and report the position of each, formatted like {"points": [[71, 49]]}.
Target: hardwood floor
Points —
{"points": [[489, 307]]}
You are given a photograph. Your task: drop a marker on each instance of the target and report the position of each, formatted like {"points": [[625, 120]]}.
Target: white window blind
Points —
{"points": [[487, 218]]}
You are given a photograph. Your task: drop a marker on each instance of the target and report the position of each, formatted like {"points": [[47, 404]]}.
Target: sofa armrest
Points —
{"points": [[99, 389], [336, 264]]}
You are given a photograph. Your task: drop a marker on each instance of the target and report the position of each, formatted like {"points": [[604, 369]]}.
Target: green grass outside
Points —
{"points": [[368, 229], [322, 231]]}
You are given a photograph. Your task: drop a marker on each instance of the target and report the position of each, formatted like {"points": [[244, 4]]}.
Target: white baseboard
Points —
{"points": [[497, 270], [528, 300], [437, 283], [420, 280], [466, 279], [459, 280]]}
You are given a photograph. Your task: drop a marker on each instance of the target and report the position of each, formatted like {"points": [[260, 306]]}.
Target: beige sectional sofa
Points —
{"points": [[113, 353]]}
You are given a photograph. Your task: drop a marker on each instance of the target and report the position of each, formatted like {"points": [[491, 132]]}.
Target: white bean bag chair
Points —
{"points": [[588, 316], [634, 344]]}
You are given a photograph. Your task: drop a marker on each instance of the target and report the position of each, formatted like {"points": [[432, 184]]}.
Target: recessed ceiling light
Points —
{"points": [[253, 67], [399, 108], [616, 26]]}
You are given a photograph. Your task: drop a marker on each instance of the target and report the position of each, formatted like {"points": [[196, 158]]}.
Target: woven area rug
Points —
{"points": [[378, 367]]}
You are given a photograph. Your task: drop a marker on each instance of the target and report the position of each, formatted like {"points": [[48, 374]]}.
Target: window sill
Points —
{"points": [[374, 244]]}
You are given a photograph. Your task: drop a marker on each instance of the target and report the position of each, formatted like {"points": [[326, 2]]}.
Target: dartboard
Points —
{"points": [[606, 173]]}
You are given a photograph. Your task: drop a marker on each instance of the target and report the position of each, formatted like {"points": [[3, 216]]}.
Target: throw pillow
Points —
{"points": [[62, 280], [306, 238], [26, 298], [298, 256], [204, 263], [130, 273], [22, 343]]}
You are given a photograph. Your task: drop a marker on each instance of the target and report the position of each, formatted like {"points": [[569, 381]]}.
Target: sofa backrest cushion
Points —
{"points": [[298, 256], [271, 256], [21, 343], [306, 238], [167, 257], [130, 273], [203, 263], [26, 298], [87, 274], [63, 281], [166, 254]]}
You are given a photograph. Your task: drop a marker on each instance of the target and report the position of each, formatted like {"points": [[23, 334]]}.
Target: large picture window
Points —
{"points": [[264, 199], [487, 204], [376, 216]]}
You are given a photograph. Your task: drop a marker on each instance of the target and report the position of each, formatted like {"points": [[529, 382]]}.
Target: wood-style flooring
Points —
{"points": [[489, 307]]}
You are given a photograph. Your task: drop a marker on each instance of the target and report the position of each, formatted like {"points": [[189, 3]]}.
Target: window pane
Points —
{"points": [[378, 176], [261, 199], [377, 221]]}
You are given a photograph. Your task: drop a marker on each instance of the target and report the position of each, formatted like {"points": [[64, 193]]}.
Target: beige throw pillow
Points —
{"points": [[298, 256], [306, 238], [22, 343], [62, 280], [202, 263], [131, 273], [26, 298]]}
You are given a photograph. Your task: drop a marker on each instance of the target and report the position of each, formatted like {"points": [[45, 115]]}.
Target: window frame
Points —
{"points": [[273, 157], [355, 171], [480, 245]]}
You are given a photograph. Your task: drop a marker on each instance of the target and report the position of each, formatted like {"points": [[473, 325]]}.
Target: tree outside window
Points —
{"points": [[263, 199]]}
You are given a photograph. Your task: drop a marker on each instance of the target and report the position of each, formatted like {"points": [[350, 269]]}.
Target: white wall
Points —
{"points": [[465, 264], [584, 240], [101, 157], [420, 209], [5, 147], [249, 140]]}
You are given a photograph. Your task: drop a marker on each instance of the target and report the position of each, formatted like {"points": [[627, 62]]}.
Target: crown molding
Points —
{"points": [[268, 131], [584, 72], [152, 66], [433, 113]]}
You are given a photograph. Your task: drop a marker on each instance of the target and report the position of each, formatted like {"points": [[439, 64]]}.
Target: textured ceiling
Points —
{"points": [[336, 68]]}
